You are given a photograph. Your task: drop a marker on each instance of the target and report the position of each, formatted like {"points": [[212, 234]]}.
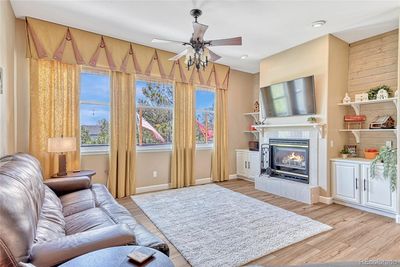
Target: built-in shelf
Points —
{"points": [[356, 105], [254, 132], [318, 126], [357, 132], [255, 115]]}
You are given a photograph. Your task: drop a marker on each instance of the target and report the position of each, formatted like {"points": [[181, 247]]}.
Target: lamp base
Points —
{"points": [[62, 165]]}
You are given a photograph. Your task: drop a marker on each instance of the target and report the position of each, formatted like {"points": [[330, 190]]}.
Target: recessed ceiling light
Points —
{"points": [[318, 23], [244, 56]]}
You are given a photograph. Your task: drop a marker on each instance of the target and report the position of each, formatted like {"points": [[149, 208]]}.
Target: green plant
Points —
{"points": [[345, 151], [373, 92], [312, 119], [387, 156]]}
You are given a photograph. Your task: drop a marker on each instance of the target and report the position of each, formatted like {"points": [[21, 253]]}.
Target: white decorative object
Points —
{"points": [[361, 97], [396, 94], [382, 94], [346, 99], [263, 228]]}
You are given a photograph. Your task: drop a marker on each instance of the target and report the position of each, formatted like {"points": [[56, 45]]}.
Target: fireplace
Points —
{"points": [[289, 159]]}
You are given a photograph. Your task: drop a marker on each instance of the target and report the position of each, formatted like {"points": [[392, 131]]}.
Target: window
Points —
{"points": [[95, 108], [205, 100], [154, 113]]}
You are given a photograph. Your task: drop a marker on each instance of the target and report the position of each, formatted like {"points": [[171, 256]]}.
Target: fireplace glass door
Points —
{"points": [[289, 159]]}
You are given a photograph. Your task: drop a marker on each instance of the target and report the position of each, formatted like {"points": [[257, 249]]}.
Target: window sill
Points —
{"points": [[95, 150]]}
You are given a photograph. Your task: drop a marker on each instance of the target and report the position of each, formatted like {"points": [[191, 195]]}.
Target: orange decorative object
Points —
{"points": [[371, 153]]}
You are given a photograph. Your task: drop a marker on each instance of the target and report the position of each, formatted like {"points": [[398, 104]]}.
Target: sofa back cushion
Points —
{"points": [[51, 223], [21, 197]]}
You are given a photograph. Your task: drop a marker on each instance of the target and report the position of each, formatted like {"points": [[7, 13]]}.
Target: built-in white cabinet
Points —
{"points": [[353, 184], [248, 163]]}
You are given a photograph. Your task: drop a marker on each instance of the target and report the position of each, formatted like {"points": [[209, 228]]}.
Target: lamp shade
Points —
{"points": [[61, 144]]}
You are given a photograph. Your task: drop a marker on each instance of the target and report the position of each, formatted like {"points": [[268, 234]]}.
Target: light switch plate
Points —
{"points": [[1, 80]]}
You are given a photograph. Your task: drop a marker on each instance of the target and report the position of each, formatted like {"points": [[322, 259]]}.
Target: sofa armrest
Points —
{"points": [[63, 249], [145, 238], [66, 185]]}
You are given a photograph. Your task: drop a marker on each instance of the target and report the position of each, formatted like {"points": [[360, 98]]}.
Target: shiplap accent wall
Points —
{"points": [[373, 62]]}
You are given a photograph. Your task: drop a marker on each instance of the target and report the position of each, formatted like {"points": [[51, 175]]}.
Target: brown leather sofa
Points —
{"points": [[47, 223]]}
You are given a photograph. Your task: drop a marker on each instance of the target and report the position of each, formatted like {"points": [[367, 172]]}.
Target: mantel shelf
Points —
{"points": [[357, 132], [357, 105], [318, 126]]}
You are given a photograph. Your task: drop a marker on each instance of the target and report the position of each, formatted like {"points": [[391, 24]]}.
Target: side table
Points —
{"points": [[88, 173], [118, 256]]}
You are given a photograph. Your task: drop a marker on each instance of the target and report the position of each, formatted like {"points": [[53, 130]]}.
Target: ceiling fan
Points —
{"points": [[197, 52]]}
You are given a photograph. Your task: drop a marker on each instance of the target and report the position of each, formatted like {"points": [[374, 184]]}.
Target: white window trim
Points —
{"points": [[95, 150]]}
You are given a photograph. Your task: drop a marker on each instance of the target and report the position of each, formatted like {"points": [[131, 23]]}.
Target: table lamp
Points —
{"points": [[61, 145]]}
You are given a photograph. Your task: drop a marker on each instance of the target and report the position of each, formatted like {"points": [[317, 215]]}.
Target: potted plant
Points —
{"points": [[373, 92], [312, 119], [345, 152], [387, 156]]}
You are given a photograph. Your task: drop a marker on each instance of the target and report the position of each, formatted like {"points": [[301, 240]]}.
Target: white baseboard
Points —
{"points": [[203, 181], [326, 200], [152, 188], [397, 218], [233, 176]]}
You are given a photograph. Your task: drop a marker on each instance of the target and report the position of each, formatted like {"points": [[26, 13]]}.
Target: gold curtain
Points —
{"points": [[184, 141], [54, 111], [121, 180], [219, 166]]}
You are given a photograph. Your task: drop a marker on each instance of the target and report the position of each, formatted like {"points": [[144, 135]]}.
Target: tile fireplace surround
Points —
{"points": [[307, 193]]}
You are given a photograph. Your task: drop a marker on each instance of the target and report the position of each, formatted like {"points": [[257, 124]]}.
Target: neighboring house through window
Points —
{"points": [[94, 109]]}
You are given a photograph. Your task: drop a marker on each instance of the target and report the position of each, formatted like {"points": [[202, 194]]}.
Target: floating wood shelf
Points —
{"points": [[357, 132], [357, 105]]}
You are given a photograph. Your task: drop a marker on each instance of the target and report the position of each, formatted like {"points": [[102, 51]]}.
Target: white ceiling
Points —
{"points": [[267, 27]]}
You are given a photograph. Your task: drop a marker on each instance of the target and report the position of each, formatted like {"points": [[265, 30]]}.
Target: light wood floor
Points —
{"points": [[357, 235]]}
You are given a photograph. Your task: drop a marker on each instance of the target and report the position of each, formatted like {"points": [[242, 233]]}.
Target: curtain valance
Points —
{"points": [[47, 40]]}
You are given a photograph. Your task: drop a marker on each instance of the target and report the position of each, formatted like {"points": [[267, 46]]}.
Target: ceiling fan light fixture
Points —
{"points": [[318, 23]]}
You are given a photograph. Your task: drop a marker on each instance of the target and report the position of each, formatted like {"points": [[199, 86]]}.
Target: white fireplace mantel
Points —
{"points": [[319, 126]]}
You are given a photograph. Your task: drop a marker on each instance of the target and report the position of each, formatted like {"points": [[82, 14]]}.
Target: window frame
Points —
{"points": [[206, 146], [95, 149]]}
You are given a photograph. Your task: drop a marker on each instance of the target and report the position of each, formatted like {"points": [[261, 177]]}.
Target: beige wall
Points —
{"points": [[373, 62], [7, 47], [241, 98], [325, 58]]}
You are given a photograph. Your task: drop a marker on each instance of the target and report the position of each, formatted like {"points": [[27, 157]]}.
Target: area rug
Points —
{"points": [[214, 226]]}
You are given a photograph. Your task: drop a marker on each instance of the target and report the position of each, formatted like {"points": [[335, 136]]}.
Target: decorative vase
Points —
{"points": [[346, 99], [345, 156]]}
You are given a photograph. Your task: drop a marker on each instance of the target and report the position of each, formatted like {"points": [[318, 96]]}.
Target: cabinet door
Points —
{"points": [[241, 163], [376, 191], [254, 165], [346, 181]]}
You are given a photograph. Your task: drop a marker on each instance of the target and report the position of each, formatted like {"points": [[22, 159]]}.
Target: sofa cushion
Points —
{"points": [[86, 220], [51, 223], [77, 201]]}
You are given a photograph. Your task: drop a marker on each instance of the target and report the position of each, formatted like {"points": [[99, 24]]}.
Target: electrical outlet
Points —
{"points": [[155, 174], [389, 143]]}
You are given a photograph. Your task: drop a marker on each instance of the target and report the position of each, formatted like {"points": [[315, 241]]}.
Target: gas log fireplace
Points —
{"points": [[289, 159]]}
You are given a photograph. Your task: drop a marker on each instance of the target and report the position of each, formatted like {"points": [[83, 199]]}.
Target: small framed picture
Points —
{"points": [[352, 149]]}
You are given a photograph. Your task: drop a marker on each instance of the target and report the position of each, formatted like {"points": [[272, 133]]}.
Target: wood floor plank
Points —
{"points": [[357, 235]]}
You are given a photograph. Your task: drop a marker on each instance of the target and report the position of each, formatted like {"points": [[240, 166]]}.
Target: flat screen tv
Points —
{"points": [[291, 98]]}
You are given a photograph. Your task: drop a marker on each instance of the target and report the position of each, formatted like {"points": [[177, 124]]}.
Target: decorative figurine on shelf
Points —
{"points": [[382, 94], [346, 99], [354, 121], [312, 119], [382, 122], [256, 107], [352, 149], [361, 97]]}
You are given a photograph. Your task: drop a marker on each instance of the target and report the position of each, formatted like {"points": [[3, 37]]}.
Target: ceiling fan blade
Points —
{"points": [[164, 41], [213, 57], [199, 30], [228, 41], [178, 56]]}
